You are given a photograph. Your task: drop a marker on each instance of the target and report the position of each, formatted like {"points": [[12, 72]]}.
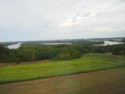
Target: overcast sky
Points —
{"points": [[61, 19]]}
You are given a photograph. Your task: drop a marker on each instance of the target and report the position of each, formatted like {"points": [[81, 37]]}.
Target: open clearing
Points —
{"points": [[87, 63], [110, 81]]}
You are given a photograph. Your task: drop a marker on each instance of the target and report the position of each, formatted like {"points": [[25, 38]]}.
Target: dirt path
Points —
{"points": [[100, 82]]}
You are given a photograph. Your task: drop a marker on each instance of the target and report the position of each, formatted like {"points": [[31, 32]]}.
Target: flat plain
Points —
{"points": [[110, 81]]}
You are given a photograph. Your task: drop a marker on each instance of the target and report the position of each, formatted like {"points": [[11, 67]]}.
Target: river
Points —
{"points": [[14, 46], [109, 43]]}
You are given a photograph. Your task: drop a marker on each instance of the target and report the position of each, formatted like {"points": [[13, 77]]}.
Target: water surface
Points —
{"points": [[110, 43], [14, 46]]}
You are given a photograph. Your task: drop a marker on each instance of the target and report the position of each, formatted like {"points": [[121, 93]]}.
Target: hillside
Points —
{"points": [[87, 63]]}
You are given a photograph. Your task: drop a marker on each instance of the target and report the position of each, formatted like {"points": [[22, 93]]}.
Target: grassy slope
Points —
{"points": [[89, 62], [110, 81]]}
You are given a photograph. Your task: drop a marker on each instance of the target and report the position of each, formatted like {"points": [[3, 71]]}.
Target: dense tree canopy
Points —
{"points": [[35, 52]]}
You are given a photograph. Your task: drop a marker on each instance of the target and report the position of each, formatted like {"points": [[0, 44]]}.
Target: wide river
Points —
{"points": [[110, 43], [16, 46]]}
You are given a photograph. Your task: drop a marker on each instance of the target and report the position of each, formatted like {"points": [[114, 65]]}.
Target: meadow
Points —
{"points": [[86, 63]]}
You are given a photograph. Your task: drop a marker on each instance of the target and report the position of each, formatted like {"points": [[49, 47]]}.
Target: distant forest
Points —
{"points": [[36, 51]]}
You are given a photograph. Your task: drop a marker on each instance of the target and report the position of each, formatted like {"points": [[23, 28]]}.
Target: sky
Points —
{"points": [[22, 20]]}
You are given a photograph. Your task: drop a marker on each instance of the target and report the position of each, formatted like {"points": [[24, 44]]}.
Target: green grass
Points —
{"points": [[111, 81], [87, 63]]}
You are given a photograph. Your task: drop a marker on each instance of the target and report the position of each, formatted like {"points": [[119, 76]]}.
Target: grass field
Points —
{"points": [[87, 63], [111, 81]]}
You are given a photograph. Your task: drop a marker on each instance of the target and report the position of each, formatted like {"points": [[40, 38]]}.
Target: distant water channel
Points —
{"points": [[14, 46], [55, 43], [109, 43]]}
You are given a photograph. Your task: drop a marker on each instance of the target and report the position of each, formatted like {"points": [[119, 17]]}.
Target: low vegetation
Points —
{"points": [[111, 81], [87, 63]]}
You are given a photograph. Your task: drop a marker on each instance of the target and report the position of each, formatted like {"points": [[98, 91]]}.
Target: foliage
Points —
{"points": [[36, 52], [118, 49]]}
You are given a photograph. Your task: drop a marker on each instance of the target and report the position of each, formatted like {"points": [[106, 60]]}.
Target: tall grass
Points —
{"points": [[87, 63]]}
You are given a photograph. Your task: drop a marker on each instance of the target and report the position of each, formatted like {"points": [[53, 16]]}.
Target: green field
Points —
{"points": [[87, 63], [111, 81]]}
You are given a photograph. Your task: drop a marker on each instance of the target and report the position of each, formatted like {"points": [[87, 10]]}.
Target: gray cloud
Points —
{"points": [[60, 19]]}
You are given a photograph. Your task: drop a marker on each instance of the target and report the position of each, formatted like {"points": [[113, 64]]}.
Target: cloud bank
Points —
{"points": [[61, 19]]}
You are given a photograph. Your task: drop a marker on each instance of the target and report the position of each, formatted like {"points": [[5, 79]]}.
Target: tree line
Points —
{"points": [[35, 52]]}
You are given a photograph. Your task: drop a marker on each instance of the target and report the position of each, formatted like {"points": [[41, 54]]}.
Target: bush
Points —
{"points": [[18, 61], [68, 54]]}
